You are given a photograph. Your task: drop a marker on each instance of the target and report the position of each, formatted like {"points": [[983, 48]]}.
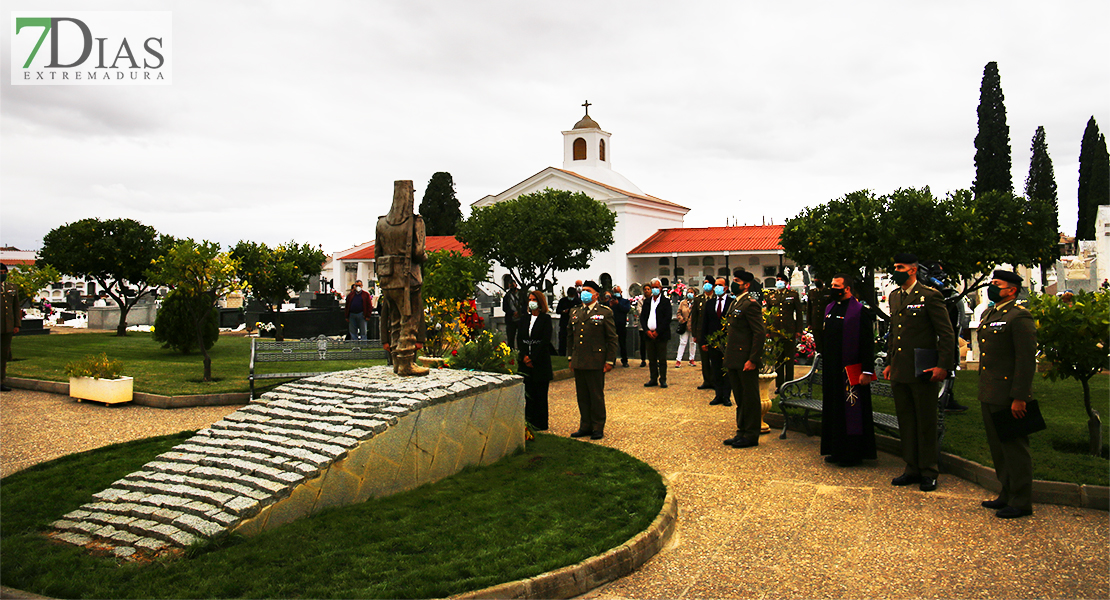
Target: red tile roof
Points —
{"points": [[712, 239], [431, 244], [18, 261]]}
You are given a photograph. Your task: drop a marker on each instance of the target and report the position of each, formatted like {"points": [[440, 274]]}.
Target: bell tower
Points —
{"points": [[586, 146]]}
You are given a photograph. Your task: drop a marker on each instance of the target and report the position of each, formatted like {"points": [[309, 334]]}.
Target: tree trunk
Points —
{"points": [[1094, 422], [121, 327]]}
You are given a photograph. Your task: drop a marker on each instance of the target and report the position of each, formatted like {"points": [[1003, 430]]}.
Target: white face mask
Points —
{"points": [[358, 288], [533, 305]]}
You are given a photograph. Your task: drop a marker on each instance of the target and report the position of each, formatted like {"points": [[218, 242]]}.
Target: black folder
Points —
{"points": [[924, 358], [1009, 428]]}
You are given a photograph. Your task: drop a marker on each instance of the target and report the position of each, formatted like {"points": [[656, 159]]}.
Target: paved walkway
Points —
{"points": [[773, 521]]}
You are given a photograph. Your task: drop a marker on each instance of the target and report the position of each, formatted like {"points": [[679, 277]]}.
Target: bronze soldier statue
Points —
{"points": [[398, 254]]}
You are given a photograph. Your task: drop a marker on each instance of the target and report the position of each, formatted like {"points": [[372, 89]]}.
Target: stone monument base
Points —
{"points": [[324, 441]]}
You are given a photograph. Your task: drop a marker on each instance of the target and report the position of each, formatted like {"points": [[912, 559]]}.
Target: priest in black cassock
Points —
{"points": [[847, 426]]}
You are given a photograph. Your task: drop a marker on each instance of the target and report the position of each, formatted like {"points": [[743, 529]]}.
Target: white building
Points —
{"points": [[1102, 242], [587, 168]]}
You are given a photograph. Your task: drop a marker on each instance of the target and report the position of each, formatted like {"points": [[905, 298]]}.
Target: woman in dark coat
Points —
{"points": [[847, 425], [534, 344]]}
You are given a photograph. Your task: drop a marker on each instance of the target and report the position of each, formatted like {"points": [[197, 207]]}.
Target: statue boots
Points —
{"points": [[405, 366]]}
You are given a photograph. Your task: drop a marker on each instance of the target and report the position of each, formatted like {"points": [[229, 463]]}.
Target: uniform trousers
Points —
{"points": [[745, 388], [589, 384], [916, 407], [1013, 463], [657, 358], [622, 340], [706, 371], [719, 380], [5, 352]]}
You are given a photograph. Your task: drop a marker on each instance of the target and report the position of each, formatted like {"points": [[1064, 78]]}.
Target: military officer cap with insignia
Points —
{"points": [[592, 285], [905, 258], [1008, 277], [745, 276]]}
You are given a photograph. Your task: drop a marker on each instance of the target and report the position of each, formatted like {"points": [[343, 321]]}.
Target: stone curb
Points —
{"points": [[577, 579], [139, 398], [7, 592], [1096, 497]]}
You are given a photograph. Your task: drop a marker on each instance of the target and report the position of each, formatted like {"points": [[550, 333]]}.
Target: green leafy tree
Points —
{"points": [[272, 274], [540, 233], [201, 273], [439, 207], [174, 326], [1094, 179], [116, 253], [992, 144], [861, 233], [1073, 339], [449, 275], [1040, 187], [29, 279]]}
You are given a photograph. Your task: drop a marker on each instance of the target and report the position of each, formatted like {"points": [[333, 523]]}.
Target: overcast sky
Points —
{"points": [[290, 120]]}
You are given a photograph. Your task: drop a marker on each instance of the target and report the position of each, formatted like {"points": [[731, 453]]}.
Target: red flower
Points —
{"points": [[454, 353]]}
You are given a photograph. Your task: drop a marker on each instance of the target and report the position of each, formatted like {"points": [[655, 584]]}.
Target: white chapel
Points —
{"points": [[587, 168]]}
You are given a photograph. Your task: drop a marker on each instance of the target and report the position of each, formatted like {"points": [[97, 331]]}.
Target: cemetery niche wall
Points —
{"points": [[316, 314], [330, 440]]}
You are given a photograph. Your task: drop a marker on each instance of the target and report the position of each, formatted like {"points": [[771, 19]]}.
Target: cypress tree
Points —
{"points": [[992, 143], [1094, 179], [1040, 187], [439, 207]]}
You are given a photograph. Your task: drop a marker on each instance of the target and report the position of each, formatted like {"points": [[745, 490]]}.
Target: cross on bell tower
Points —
{"points": [[585, 146]]}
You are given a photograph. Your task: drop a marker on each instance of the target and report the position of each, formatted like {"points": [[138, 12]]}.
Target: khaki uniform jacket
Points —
{"points": [[697, 309], [746, 333], [1007, 355], [918, 319], [592, 337], [789, 304], [12, 313]]}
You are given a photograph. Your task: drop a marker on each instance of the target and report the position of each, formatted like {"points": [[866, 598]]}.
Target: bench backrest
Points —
{"points": [[320, 348]]}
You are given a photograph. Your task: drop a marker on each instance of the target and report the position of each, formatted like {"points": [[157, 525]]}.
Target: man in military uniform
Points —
{"points": [[398, 254], [593, 353], [1007, 362], [919, 323], [743, 353], [788, 321], [12, 317]]}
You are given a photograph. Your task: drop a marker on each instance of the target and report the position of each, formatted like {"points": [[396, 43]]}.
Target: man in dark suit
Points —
{"points": [[789, 322], [593, 353], [511, 305], [697, 312], [655, 322], [743, 354], [713, 314], [563, 308], [1007, 362], [620, 307], [12, 319], [918, 322]]}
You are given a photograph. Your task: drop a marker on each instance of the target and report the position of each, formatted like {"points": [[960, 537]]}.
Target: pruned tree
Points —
{"points": [[1040, 187], [201, 273], [1094, 179], [1072, 339], [540, 233], [992, 143], [116, 253], [439, 207], [271, 274], [29, 279], [450, 275]]}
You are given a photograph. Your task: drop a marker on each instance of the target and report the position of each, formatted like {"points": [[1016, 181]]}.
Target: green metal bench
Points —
{"points": [[320, 348]]}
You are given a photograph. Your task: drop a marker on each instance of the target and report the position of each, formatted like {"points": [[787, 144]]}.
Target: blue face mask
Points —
{"points": [[616, 294], [719, 290], [690, 295], [586, 296], [707, 287], [780, 284], [655, 291]]}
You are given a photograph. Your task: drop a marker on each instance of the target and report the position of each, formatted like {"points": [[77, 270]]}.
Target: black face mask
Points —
{"points": [[994, 293], [836, 293], [900, 277], [736, 289]]}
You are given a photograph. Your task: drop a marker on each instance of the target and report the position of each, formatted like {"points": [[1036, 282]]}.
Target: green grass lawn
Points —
{"points": [[157, 370], [1058, 452], [553, 505]]}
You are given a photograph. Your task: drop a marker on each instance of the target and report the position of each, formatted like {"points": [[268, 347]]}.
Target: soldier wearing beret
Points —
{"points": [[918, 321], [593, 353], [743, 354], [1007, 361], [788, 321]]}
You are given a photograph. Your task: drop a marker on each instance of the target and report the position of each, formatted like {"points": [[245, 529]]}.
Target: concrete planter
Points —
{"points": [[108, 391]]}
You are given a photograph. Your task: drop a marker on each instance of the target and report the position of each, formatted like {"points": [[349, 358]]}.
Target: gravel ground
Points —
{"points": [[767, 522]]}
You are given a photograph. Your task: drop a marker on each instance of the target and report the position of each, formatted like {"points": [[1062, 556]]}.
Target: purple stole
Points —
{"points": [[853, 411]]}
